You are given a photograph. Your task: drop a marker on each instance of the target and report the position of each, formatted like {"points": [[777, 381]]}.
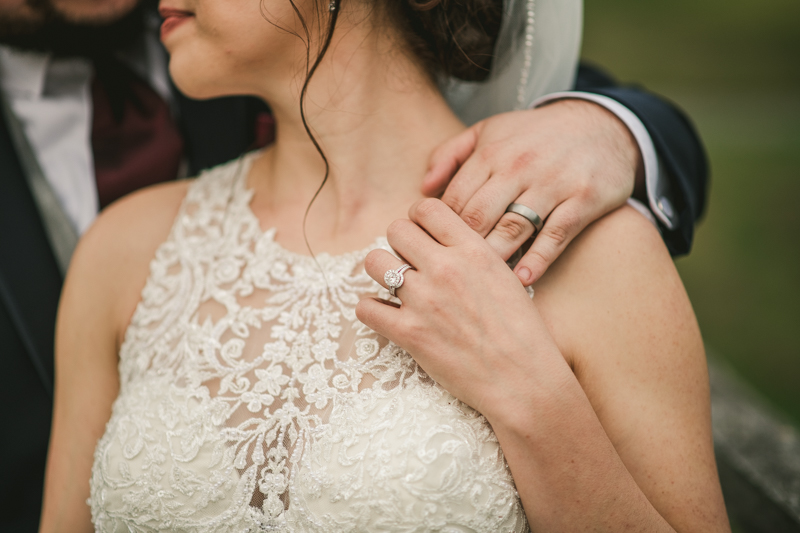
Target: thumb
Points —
{"points": [[448, 158]]}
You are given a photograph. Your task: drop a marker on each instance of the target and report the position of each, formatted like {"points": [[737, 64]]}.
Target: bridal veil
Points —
{"points": [[536, 54]]}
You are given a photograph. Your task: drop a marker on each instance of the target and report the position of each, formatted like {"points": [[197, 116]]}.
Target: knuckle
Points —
{"points": [[513, 228], [571, 221], [587, 192], [557, 234], [488, 153], [521, 162], [454, 202], [427, 208], [474, 217], [561, 231], [475, 214]]}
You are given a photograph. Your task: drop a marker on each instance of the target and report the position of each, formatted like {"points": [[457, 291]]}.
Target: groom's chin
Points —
{"points": [[19, 23], [92, 12]]}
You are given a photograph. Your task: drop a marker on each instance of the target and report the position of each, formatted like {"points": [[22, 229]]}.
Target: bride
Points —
{"points": [[237, 382]]}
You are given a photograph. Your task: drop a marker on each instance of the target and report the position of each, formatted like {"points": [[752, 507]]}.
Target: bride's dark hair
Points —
{"points": [[450, 38]]}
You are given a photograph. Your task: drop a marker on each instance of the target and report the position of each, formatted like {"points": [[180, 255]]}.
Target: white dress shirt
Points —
{"points": [[658, 187], [51, 99]]}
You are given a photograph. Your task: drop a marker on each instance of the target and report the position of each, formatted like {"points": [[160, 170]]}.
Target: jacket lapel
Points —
{"points": [[30, 282]]}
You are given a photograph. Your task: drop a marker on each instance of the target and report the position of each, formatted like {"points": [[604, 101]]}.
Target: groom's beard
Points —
{"points": [[52, 33]]}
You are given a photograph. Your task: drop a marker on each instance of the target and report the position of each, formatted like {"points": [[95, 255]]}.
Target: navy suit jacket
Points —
{"points": [[678, 146], [30, 282]]}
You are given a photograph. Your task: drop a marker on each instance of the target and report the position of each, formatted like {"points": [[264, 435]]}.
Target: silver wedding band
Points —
{"points": [[528, 213], [394, 278]]}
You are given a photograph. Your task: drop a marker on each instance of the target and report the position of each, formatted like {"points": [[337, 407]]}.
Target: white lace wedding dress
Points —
{"points": [[252, 399]]}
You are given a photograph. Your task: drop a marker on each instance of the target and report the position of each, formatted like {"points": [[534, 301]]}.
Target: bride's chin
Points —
{"points": [[194, 81]]}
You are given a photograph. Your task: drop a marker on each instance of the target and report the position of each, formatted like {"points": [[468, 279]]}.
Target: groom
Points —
{"points": [[88, 114]]}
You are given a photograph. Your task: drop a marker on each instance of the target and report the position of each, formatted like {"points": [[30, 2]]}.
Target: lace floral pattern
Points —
{"points": [[252, 399]]}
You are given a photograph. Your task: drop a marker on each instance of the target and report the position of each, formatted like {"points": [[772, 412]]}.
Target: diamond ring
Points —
{"points": [[394, 278]]}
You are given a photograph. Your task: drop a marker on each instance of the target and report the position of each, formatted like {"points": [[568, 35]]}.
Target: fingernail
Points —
{"points": [[524, 274]]}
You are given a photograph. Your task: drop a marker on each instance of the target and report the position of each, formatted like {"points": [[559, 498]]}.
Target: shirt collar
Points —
{"points": [[22, 74], [35, 75]]}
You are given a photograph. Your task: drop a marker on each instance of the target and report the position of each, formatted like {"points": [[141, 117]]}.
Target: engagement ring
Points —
{"points": [[394, 278]]}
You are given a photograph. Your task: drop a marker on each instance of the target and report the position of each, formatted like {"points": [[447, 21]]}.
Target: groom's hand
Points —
{"points": [[571, 161]]}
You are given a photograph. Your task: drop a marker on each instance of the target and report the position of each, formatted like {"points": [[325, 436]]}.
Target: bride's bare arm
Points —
{"points": [[618, 312], [597, 392], [106, 275], [86, 384]]}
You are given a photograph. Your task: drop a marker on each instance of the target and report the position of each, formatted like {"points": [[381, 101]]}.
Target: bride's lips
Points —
{"points": [[172, 19]]}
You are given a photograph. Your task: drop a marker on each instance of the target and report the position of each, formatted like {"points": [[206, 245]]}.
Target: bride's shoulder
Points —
{"points": [[614, 282], [135, 223], [111, 263], [618, 311], [621, 249], [138, 223]]}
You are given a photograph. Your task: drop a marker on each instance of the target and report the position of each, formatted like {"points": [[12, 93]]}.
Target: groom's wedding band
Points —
{"points": [[528, 213], [394, 278]]}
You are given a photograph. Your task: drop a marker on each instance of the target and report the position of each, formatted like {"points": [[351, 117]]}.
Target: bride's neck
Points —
{"points": [[377, 118]]}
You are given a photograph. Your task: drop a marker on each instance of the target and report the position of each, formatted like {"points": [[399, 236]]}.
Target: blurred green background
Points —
{"points": [[734, 66]]}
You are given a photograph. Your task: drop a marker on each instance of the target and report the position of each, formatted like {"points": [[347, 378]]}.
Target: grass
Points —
{"points": [[734, 66]]}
